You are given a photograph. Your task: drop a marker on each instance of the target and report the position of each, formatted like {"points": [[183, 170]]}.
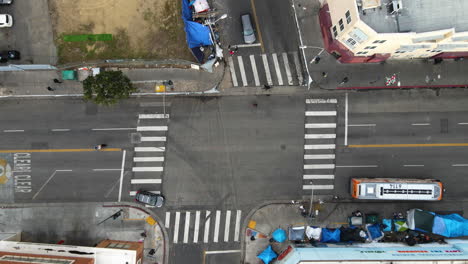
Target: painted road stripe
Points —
{"points": [[317, 136], [152, 128], [112, 129], [361, 125], [420, 124], [227, 225], [320, 146], [267, 69], [216, 230], [186, 228], [277, 69], [176, 227], [60, 129], [168, 220], [459, 165], [135, 169], [413, 165], [317, 187], [346, 120], [122, 167], [153, 116], [133, 193], [463, 124], [150, 149], [318, 177], [107, 169], [196, 227], [410, 145], [324, 125], [321, 101], [237, 226], [298, 67], [207, 226], [320, 156], [318, 166], [56, 150], [145, 181], [222, 251], [286, 67], [159, 139], [233, 72], [320, 113], [13, 130], [357, 166], [148, 159], [242, 70], [254, 70]]}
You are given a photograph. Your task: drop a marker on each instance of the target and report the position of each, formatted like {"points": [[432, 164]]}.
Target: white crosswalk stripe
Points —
{"points": [[254, 70], [233, 72], [317, 136], [148, 159], [267, 69], [297, 63], [151, 128], [242, 70], [277, 69], [187, 226], [144, 139], [288, 70]]}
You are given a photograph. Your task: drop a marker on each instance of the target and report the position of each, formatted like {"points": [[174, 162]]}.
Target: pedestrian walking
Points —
{"points": [[266, 87], [324, 74], [345, 80], [50, 88], [57, 81]]}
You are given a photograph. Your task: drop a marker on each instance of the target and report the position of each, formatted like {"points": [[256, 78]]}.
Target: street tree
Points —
{"points": [[107, 88]]}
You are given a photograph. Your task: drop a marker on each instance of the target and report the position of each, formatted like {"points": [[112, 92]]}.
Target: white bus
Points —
{"points": [[396, 189]]}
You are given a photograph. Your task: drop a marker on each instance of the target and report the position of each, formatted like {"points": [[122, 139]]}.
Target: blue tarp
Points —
{"points": [[374, 231], [267, 255], [197, 34], [279, 235], [452, 225], [330, 235]]}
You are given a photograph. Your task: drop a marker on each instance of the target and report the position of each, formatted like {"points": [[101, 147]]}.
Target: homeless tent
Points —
{"points": [[420, 220], [267, 255], [452, 225]]}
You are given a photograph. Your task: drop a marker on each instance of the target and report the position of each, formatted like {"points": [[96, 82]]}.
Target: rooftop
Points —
{"points": [[417, 16]]}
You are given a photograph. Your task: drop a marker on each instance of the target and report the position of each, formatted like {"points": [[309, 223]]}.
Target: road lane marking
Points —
{"points": [[319, 136], [320, 113], [153, 116], [410, 145], [242, 70], [186, 228], [267, 69], [233, 72], [107, 169], [145, 181], [148, 159], [112, 129], [60, 129], [420, 124], [459, 165], [207, 226], [133, 193], [48, 180], [13, 130], [318, 177], [152, 128], [321, 101], [216, 230], [286, 67], [324, 125], [346, 120], [227, 225], [362, 125], [357, 166], [197, 227], [277, 69], [463, 123], [319, 156], [150, 149], [176, 227], [56, 150], [318, 166], [413, 165], [168, 220], [254, 70], [257, 26], [222, 251], [237, 226], [136, 169], [317, 187], [298, 67], [320, 146]]}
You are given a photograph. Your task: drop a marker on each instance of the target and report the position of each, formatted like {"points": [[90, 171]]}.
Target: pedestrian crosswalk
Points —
{"points": [[319, 144], [191, 227], [271, 69], [150, 147]]}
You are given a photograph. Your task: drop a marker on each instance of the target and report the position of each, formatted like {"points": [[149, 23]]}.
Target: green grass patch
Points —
{"points": [[87, 37]]}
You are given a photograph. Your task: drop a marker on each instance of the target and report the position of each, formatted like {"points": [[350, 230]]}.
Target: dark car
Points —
{"points": [[11, 54], [5, 2], [149, 198]]}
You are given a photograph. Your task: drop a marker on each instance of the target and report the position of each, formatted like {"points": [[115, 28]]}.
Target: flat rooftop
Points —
{"points": [[417, 16]]}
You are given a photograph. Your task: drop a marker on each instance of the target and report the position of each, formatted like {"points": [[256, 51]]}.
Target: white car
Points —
{"points": [[6, 20]]}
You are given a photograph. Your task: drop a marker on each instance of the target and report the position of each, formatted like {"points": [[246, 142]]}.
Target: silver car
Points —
{"points": [[247, 29], [149, 198]]}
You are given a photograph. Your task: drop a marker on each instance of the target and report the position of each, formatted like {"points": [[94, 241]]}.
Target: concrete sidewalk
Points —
{"points": [[85, 225], [283, 214]]}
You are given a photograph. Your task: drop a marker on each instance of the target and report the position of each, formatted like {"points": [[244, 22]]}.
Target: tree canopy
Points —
{"points": [[107, 88]]}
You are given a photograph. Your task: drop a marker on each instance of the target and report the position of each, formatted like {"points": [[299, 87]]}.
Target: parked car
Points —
{"points": [[5, 2], [247, 29], [149, 198], [6, 20], [11, 54]]}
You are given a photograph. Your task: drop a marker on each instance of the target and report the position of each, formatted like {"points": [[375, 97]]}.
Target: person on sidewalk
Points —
{"points": [[57, 81], [50, 89]]}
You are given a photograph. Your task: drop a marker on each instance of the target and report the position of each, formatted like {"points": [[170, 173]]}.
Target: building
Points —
{"points": [[357, 31]]}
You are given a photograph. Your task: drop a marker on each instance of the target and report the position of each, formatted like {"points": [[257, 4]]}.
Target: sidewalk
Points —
{"points": [[84, 225], [267, 218]]}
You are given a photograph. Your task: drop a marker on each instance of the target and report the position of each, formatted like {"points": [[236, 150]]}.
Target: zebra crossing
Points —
{"points": [[319, 144], [150, 148], [192, 227], [272, 69]]}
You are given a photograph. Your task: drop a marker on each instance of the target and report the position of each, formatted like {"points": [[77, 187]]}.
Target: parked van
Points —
{"points": [[6, 20], [247, 29]]}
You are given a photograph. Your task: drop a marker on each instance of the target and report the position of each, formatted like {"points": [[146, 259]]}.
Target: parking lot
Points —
{"points": [[31, 33]]}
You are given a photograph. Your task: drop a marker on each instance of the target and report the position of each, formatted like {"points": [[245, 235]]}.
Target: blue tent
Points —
{"points": [[267, 255], [197, 34], [279, 235], [452, 225]]}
